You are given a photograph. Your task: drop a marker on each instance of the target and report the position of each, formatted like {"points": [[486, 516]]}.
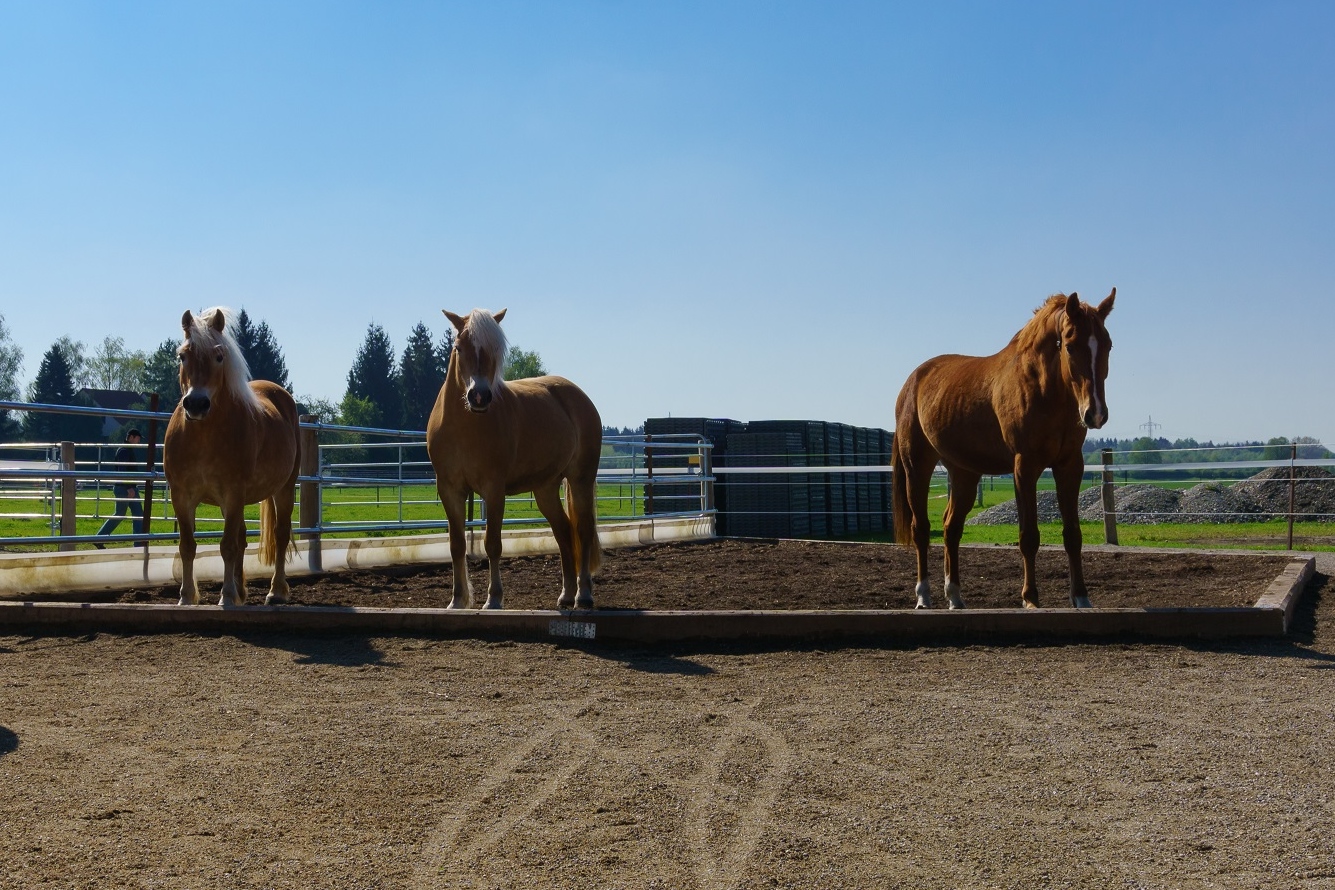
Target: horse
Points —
{"points": [[1020, 411], [231, 441], [497, 437]]}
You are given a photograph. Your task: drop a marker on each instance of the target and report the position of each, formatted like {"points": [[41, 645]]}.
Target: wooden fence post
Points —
{"points": [[1109, 499], [69, 490], [308, 441], [1293, 472]]}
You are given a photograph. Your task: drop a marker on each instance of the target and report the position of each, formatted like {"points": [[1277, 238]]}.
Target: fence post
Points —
{"points": [[706, 480], [311, 492], [649, 475], [146, 526], [1109, 499], [1293, 473], [69, 490]]}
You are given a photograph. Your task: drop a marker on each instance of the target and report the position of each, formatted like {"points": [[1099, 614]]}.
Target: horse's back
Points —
{"points": [[949, 403], [551, 404]]}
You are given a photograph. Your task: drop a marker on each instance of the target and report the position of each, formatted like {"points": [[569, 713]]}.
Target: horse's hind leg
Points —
{"points": [[963, 488], [548, 500], [495, 523], [1026, 505], [233, 556], [918, 473], [281, 505], [1067, 476], [583, 511]]}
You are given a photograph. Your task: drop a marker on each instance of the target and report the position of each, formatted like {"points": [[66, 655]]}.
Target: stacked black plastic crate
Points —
{"points": [[767, 505], [675, 497]]}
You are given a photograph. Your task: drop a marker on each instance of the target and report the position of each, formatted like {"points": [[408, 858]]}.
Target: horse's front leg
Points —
{"points": [[1026, 505], [1067, 476], [233, 556], [461, 593], [185, 521], [495, 519]]}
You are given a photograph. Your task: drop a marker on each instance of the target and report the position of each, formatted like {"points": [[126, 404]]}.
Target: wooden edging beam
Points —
{"points": [[1270, 617]]}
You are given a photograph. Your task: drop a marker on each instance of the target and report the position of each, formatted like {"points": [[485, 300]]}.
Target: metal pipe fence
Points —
{"points": [[361, 481]]}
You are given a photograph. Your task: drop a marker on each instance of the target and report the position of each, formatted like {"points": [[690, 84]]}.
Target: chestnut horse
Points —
{"points": [[1020, 411], [230, 442], [497, 437]]}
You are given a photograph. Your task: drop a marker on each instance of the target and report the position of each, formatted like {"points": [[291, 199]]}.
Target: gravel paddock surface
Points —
{"points": [[347, 761]]}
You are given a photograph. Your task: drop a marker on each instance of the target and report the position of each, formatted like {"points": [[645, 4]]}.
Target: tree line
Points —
{"points": [[385, 389]]}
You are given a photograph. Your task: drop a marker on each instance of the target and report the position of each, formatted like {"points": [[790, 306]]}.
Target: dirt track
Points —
{"points": [[352, 762]]}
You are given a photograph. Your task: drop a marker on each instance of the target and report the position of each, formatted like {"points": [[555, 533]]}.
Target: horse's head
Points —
{"points": [[1084, 345], [211, 362], [478, 356]]}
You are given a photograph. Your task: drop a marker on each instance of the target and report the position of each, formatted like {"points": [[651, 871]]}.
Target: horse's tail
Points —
{"points": [[899, 492], [582, 510], [268, 540]]}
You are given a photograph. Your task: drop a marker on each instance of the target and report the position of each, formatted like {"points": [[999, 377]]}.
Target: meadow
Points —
{"points": [[356, 506]]}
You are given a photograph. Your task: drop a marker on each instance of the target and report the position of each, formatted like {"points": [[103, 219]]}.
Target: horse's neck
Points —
{"points": [[1043, 366]]}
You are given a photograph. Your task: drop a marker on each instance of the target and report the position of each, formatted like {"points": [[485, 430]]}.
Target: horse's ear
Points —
{"points": [[457, 320], [187, 322], [1072, 306], [1106, 306], [219, 321], [499, 315]]}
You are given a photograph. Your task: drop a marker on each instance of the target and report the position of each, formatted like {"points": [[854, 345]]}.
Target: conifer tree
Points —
{"points": [[374, 378], [421, 374]]}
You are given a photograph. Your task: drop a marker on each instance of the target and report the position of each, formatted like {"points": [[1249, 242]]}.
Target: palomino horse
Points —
{"points": [[230, 442], [1020, 411], [498, 437]]}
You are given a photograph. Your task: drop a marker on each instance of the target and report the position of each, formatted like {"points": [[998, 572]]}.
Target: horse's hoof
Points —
{"points": [[584, 602], [956, 605], [275, 599], [922, 605], [1081, 602], [1030, 604], [492, 604]]}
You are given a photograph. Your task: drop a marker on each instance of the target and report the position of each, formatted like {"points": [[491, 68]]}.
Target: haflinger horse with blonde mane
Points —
{"points": [[496, 437], [231, 441], [1020, 411]]}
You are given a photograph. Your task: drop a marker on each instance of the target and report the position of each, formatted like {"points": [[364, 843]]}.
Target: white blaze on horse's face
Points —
{"points": [[1085, 345], [479, 350]]}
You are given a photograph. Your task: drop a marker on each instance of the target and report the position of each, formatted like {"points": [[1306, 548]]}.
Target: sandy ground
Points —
{"points": [[345, 761]]}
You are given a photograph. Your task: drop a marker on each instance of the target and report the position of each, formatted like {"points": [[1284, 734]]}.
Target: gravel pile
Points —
{"points": [[1215, 502], [1263, 496], [1314, 491]]}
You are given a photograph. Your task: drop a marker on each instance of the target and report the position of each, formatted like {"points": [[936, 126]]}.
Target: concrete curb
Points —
{"points": [[1270, 617]]}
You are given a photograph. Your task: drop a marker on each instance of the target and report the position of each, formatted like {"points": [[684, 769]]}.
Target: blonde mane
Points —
{"points": [[235, 370], [488, 337]]}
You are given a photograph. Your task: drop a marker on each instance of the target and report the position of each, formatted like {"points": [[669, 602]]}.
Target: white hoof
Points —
{"points": [[953, 595], [924, 592]]}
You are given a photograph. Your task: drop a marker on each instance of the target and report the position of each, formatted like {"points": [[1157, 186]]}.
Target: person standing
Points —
{"points": [[126, 491]]}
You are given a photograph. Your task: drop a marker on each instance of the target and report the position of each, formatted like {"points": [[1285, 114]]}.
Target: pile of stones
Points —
{"points": [[1262, 497]]}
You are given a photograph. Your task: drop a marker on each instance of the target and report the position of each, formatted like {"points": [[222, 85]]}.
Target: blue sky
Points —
{"points": [[749, 210]]}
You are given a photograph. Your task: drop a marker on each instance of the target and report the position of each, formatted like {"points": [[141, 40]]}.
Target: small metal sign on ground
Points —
{"points": [[581, 630]]}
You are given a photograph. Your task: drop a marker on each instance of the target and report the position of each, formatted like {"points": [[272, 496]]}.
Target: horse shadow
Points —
{"points": [[9, 741], [333, 650]]}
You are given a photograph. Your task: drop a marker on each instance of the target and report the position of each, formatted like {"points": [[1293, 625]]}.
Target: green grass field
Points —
{"points": [[371, 504]]}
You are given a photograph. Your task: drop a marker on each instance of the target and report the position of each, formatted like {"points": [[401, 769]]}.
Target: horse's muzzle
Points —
{"points": [[1095, 421], [195, 406], [478, 399]]}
